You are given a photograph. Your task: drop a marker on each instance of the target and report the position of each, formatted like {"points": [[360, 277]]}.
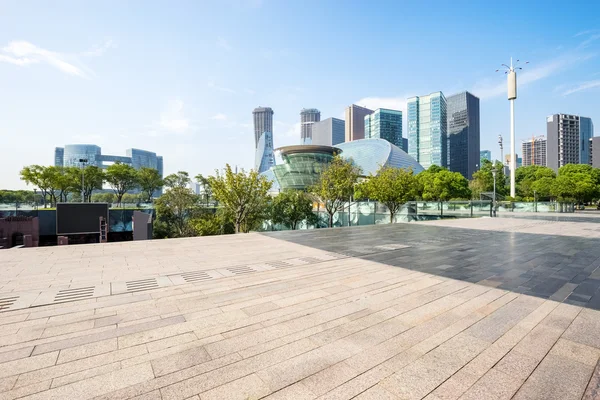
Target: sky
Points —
{"points": [[181, 78]]}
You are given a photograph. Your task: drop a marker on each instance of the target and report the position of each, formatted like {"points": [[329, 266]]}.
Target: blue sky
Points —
{"points": [[181, 78]]}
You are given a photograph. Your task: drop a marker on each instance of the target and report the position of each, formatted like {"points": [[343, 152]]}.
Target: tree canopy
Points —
{"points": [[291, 207], [391, 186], [149, 181], [439, 184], [121, 178]]}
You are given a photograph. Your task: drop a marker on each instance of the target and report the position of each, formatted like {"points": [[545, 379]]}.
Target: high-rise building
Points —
{"points": [[463, 133], [568, 140], [308, 116], [59, 155], [385, 124], [263, 122], [507, 160], [595, 147], [264, 158], [355, 122], [329, 132], [159, 165], [427, 127], [534, 151], [405, 145], [74, 152], [485, 155]]}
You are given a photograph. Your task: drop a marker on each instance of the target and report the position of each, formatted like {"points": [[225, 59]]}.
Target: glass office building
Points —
{"points": [[485, 155], [385, 124], [329, 132], [263, 157], [308, 116], [75, 152], [59, 155], [463, 134], [427, 129]]}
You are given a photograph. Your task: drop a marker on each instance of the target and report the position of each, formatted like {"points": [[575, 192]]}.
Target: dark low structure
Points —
{"points": [[19, 231]]}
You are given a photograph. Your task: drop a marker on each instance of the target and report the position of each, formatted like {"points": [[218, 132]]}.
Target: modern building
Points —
{"points": [[568, 140], [405, 144], [264, 158], [485, 155], [302, 165], [355, 122], [534, 151], [59, 155], [507, 160], [371, 154], [308, 116], [263, 122], [385, 124], [427, 129], [462, 110], [329, 132], [595, 147]]}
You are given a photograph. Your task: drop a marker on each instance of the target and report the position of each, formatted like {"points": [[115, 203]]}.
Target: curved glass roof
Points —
{"points": [[371, 154]]}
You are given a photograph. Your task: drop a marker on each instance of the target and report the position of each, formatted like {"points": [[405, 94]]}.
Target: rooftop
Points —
{"points": [[478, 308]]}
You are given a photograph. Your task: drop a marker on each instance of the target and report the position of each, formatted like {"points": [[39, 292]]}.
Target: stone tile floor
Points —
{"points": [[385, 322]]}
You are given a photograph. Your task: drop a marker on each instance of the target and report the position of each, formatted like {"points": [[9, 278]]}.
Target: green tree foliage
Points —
{"points": [[103, 197], [336, 185], [483, 180], [175, 210], [93, 180], [121, 178], [212, 223], [439, 184], [66, 180], [181, 180], [204, 182], [391, 186], [131, 198], [17, 196], [149, 181], [525, 178], [543, 188], [40, 177], [243, 196], [291, 207], [576, 186]]}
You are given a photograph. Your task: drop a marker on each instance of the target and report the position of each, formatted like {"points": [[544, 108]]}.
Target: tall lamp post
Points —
{"points": [[501, 149], [83, 161], [511, 72], [494, 171]]}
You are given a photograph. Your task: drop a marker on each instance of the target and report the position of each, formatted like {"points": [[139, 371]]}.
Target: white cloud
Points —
{"points": [[212, 85], [589, 31], [173, 119], [589, 41], [23, 53], [249, 91], [219, 117], [288, 130], [222, 43], [582, 86], [99, 50]]}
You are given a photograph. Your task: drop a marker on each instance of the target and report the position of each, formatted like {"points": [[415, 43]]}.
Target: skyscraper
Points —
{"points": [[534, 151], [463, 133], [263, 122], [385, 124], [59, 155], [308, 116], [595, 147], [427, 127], [355, 122], [568, 140], [485, 155], [328, 132]]}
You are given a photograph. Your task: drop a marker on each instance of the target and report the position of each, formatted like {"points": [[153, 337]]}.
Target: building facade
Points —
{"points": [[594, 147], [264, 158], [427, 129], [59, 156], [534, 151], [355, 122], [72, 153], [519, 161], [385, 124], [263, 122], [463, 134], [485, 155], [568, 140], [308, 116], [329, 132]]}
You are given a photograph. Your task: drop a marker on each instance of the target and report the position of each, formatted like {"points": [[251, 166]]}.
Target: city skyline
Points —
{"points": [[91, 82]]}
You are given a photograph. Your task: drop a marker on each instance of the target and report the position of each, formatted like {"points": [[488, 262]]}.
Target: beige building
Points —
{"points": [[355, 122], [534, 151]]}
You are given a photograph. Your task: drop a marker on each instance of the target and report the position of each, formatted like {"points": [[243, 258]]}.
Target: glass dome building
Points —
{"points": [[371, 154], [302, 165]]}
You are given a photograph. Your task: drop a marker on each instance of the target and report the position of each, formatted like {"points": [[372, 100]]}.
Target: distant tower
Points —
{"points": [[263, 122], [308, 116]]}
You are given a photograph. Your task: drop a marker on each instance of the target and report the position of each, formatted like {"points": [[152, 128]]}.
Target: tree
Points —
{"points": [[107, 197], [483, 180], [543, 187], [39, 177], [577, 186], [175, 209], [586, 180], [93, 177], [336, 185], [391, 186], [66, 180], [291, 207], [121, 178], [525, 178], [203, 181], [181, 179], [130, 198], [149, 181], [439, 184], [243, 196]]}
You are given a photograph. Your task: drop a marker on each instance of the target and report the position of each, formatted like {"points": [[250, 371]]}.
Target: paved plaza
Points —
{"points": [[454, 309]]}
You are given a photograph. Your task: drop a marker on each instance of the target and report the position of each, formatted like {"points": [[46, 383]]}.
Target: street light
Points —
{"points": [[83, 161], [511, 73], [494, 171]]}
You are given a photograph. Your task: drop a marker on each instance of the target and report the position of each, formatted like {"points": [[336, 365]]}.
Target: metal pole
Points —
{"points": [[494, 202], [82, 190], [513, 158]]}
